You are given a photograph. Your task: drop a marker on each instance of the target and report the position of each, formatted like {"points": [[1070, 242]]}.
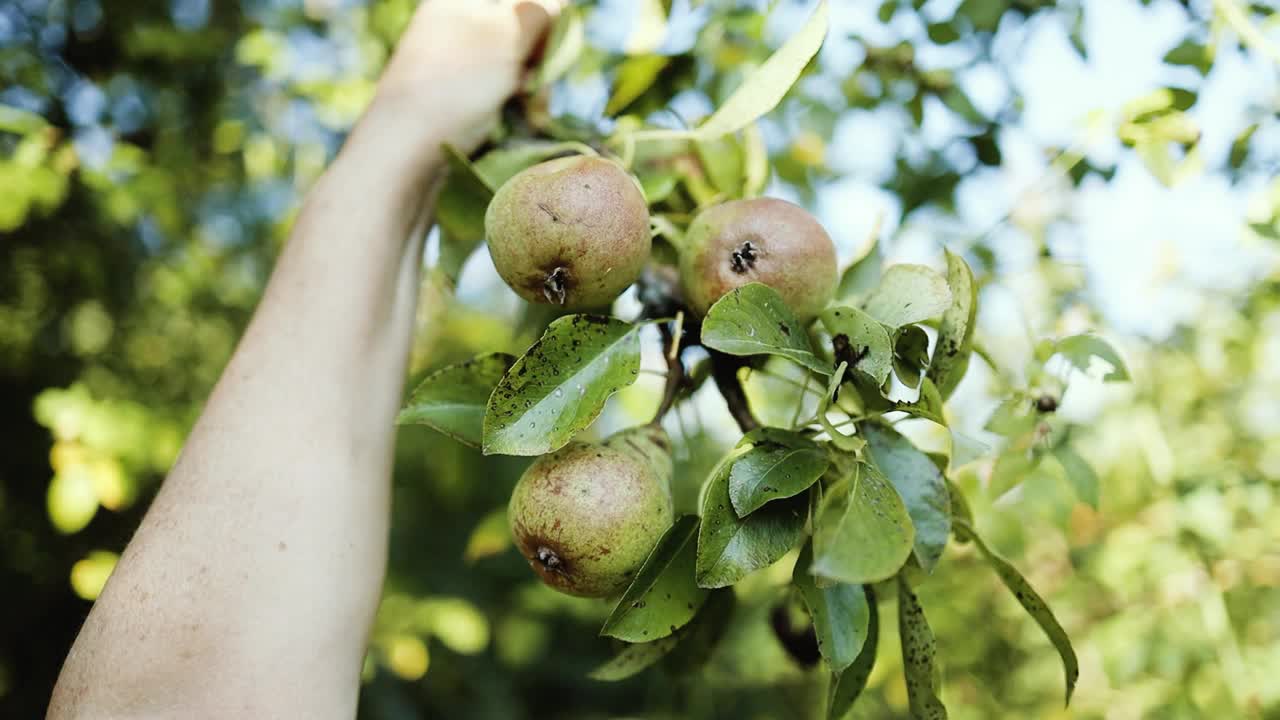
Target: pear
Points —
{"points": [[758, 240], [586, 516], [572, 232]]}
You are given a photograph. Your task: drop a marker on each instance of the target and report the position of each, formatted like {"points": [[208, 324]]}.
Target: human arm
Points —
{"points": [[251, 584]]}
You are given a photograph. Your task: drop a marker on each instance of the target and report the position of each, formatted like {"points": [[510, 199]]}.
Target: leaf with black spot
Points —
{"points": [[848, 685], [839, 612], [559, 386], [663, 597], [919, 483], [730, 547], [754, 320], [452, 400], [1031, 601], [918, 650]]}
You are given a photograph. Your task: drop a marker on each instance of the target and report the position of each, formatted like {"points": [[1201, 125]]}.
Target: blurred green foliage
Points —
{"points": [[152, 155]]}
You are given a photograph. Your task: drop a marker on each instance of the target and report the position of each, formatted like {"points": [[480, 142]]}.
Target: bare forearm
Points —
{"points": [[266, 546]]}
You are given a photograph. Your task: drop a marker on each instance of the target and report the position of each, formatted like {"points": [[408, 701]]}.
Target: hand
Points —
{"points": [[456, 64]]}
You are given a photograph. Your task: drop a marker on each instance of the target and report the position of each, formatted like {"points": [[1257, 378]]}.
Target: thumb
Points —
{"points": [[534, 20]]}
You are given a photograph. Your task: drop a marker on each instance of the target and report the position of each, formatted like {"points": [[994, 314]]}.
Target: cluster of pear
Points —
{"points": [[575, 232]]}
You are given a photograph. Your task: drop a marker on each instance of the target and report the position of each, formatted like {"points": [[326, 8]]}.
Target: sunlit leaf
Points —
{"points": [[763, 89], [491, 536], [848, 685], [908, 294], [722, 161], [918, 649], [866, 341], [955, 334], [755, 156], [919, 483], [839, 612], [1033, 604], [1081, 349], [663, 597], [730, 547], [559, 386], [754, 320], [863, 533], [861, 277], [452, 400], [635, 76], [564, 46]]}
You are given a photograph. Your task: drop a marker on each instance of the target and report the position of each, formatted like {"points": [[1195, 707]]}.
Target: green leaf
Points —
{"points": [[928, 406], [564, 46], [919, 483], [699, 638], [729, 547], [918, 649], [868, 344], [908, 294], [452, 400], [911, 355], [1081, 476], [765, 88], [1080, 349], [663, 597], [490, 536], [460, 209], [498, 166], [839, 611], [560, 384], [965, 449], [848, 685], [773, 472], [634, 78], [1012, 467], [1033, 604], [1011, 418], [755, 160], [942, 33], [955, 334], [861, 277], [633, 659], [960, 510], [1191, 53], [754, 320], [848, 443], [722, 161], [20, 122], [863, 533]]}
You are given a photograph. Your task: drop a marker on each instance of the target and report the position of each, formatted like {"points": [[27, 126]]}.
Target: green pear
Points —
{"points": [[572, 232], [759, 240], [586, 516]]}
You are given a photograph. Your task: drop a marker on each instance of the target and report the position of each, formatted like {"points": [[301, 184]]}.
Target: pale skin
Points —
{"points": [[251, 584]]}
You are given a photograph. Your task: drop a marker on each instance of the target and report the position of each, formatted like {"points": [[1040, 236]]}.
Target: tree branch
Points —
{"points": [[675, 372], [724, 368]]}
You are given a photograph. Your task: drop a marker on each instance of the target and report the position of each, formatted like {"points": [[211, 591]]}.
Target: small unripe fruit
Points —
{"points": [[587, 515], [571, 232], [759, 240]]}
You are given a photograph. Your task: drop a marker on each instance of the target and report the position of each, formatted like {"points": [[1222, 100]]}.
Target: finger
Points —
{"points": [[534, 19]]}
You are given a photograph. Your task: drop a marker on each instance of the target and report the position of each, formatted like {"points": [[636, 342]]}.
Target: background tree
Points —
{"points": [[1102, 166]]}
